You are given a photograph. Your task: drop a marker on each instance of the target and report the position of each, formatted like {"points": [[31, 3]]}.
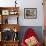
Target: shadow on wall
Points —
{"points": [[37, 29]]}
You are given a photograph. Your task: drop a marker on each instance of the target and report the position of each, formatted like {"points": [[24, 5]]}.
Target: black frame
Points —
{"points": [[34, 16]]}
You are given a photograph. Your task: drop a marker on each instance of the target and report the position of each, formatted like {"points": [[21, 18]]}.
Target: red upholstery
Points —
{"points": [[29, 33]]}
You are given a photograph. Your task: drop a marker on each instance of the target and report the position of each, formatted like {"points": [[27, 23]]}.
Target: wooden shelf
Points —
{"points": [[10, 26], [5, 8], [10, 43], [4, 13]]}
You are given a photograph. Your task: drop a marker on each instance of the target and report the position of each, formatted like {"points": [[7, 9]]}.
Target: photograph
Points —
{"points": [[30, 13]]}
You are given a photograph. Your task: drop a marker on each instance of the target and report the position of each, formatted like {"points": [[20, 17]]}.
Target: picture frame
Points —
{"points": [[0, 19], [5, 12], [0, 36], [13, 12], [30, 13]]}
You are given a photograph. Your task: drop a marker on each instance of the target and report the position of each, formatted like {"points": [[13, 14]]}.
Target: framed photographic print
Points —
{"points": [[30, 13], [0, 19], [0, 36], [5, 12]]}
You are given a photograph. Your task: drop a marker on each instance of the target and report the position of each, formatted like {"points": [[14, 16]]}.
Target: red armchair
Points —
{"points": [[28, 35]]}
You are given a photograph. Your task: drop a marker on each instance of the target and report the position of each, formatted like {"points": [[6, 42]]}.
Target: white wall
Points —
{"points": [[27, 4]]}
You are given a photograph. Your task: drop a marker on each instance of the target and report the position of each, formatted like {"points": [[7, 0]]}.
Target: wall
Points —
{"points": [[31, 4], [27, 4]]}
